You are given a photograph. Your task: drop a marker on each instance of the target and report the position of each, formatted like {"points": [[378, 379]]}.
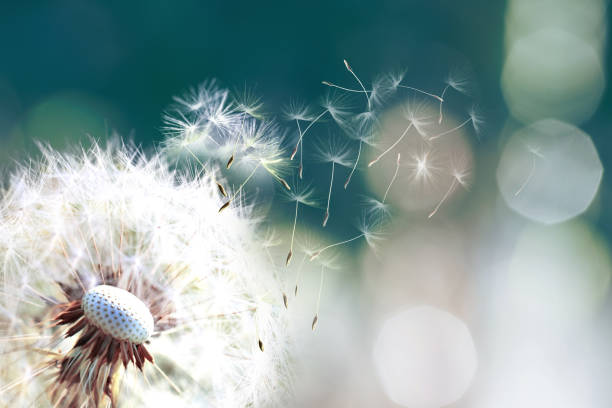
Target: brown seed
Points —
{"points": [[229, 162], [285, 301], [222, 189], [295, 149], [285, 184], [224, 206], [261, 345], [295, 291], [313, 256], [289, 255], [314, 322]]}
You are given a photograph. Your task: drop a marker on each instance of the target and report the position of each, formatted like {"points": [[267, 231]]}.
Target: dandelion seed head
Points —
{"points": [[110, 227]]}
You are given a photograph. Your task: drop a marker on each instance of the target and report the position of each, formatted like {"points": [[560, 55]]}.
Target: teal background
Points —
{"points": [[72, 68]]}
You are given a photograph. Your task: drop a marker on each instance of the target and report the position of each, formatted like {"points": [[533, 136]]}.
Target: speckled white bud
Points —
{"points": [[118, 313]]}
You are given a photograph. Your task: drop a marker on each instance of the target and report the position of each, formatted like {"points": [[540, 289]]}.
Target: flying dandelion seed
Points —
{"points": [[315, 319], [121, 282], [304, 196], [397, 166], [369, 229], [458, 80], [299, 113], [336, 153], [416, 115], [460, 176], [474, 118], [333, 104]]}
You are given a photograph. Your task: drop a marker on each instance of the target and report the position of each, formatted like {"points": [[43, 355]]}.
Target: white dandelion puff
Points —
{"points": [[123, 285]]}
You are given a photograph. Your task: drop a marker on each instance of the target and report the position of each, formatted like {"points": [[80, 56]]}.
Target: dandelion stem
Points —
{"points": [[440, 117], [348, 67], [315, 320], [320, 251], [348, 180], [450, 189], [391, 147], [290, 254], [397, 166], [301, 147], [331, 184], [315, 120], [298, 274], [172, 384], [462, 124], [529, 176], [245, 182], [346, 89], [422, 91]]}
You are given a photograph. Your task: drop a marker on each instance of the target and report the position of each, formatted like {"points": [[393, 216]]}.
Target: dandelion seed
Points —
{"points": [[397, 166], [456, 80], [399, 139], [336, 107], [460, 175], [336, 153], [315, 320], [301, 195], [348, 180], [298, 274], [535, 153], [473, 118], [369, 230]]}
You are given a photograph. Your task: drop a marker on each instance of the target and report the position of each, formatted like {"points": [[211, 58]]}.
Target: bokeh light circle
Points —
{"points": [[425, 358], [552, 73], [558, 275], [549, 171]]}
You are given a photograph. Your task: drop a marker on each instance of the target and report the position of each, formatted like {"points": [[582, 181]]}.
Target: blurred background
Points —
{"points": [[499, 300]]}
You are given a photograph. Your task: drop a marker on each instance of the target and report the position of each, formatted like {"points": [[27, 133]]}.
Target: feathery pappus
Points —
{"points": [[122, 287]]}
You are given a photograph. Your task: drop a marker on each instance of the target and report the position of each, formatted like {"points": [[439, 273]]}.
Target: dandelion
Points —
{"points": [[460, 175], [369, 229], [299, 112], [123, 285], [474, 118], [315, 319], [333, 104], [366, 123], [336, 153], [457, 79], [417, 119], [304, 196], [397, 166]]}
